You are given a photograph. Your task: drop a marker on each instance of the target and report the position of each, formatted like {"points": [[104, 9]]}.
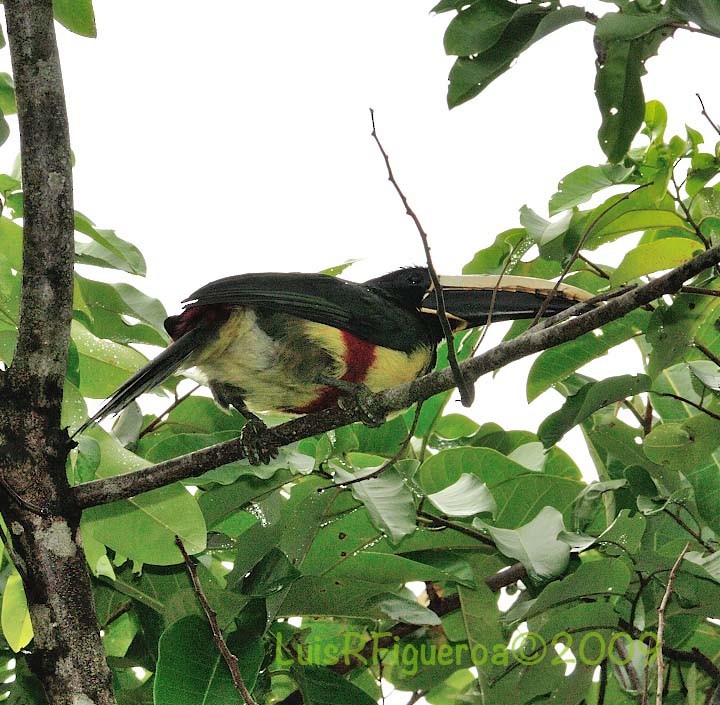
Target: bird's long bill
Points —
{"points": [[476, 299]]}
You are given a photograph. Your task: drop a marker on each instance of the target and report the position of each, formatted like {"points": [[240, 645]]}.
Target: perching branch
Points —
{"points": [[533, 340]]}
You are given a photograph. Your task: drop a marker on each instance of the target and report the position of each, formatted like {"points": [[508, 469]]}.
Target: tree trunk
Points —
{"points": [[67, 653]]}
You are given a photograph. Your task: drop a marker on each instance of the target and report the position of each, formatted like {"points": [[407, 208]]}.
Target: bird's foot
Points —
{"points": [[256, 445], [359, 399]]}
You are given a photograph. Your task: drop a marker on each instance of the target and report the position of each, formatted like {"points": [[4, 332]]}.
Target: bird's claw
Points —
{"points": [[364, 403], [257, 445]]}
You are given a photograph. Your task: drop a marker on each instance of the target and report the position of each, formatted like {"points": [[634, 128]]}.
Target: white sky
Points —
{"points": [[225, 137]]}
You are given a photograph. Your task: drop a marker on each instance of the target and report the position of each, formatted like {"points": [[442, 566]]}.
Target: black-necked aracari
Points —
{"points": [[292, 342]]}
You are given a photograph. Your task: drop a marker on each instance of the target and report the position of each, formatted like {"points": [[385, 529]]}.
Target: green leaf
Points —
{"points": [[4, 129], [707, 372], [683, 446], [704, 13], [387, 498], [321, 686], [582, 184], [555, 364], [76, 15], [465, 497], [589, 399], [191, 670], [478, 27], [406, 610], [15, 617], [655, 120], [473, 72], [8, 107], [107, 249], [620, 95], [618, 26], [595, 580], [157, 516], [453, 426], [111, 305], [104, 365], [535, 545], [520, 493], [662, 254]]}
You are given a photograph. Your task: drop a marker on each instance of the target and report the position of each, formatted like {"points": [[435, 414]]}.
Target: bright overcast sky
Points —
{"points": [[226, 137]]}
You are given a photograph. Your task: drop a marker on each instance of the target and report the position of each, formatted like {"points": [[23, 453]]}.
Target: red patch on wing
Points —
{"points": [[358, 357]]}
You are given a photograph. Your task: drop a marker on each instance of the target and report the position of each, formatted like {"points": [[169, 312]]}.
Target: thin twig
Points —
{"points": [[689, 402], [648, 418], [709, 354], [704, 112], [228, 656], [576, 252], [467, 390], [688, 216], [699, 290], [460, 528], [400, 453], [598, 270], [695, 534], [661, 625], [160, 417]]}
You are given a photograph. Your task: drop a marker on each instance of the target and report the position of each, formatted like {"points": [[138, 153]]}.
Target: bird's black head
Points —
{"points": [[406, 286]]}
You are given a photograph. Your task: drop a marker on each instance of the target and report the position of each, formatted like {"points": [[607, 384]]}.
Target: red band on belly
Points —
{"points": [[358, 357]]}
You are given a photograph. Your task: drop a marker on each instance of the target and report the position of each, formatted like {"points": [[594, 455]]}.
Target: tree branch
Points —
{"points": [[543, 336]]}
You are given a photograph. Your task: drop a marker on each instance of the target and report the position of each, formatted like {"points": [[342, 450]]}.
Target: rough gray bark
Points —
{"points": [[67, 651]]}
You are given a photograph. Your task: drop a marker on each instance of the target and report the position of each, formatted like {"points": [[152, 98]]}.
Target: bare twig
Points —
{"points": [[467, 390], [576, 252], [689, 402], [699, 290], [709, 354], [704, 112], [460, 528], [688, 216], [160, 417], [400, 453], [661, 626], [228, 656]]}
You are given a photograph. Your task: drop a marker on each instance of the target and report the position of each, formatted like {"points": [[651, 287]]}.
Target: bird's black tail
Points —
{"points": [[158, 369]]}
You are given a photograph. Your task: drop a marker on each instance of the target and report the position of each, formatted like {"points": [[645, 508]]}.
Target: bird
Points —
{"points": [[300, 342]]}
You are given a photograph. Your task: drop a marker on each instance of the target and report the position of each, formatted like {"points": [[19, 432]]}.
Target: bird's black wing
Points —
{"points": [[357, 308]]}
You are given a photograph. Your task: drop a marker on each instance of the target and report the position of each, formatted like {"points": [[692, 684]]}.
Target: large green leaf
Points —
{"points": [[535, 545], [158, 516], [191, 670], [320, 686], [473, 72], [111, 304], [704, 13], [555, 364], [586, 401], [104, 365], [520, 493], [582, 184], [620, 95], [653, 257]]}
